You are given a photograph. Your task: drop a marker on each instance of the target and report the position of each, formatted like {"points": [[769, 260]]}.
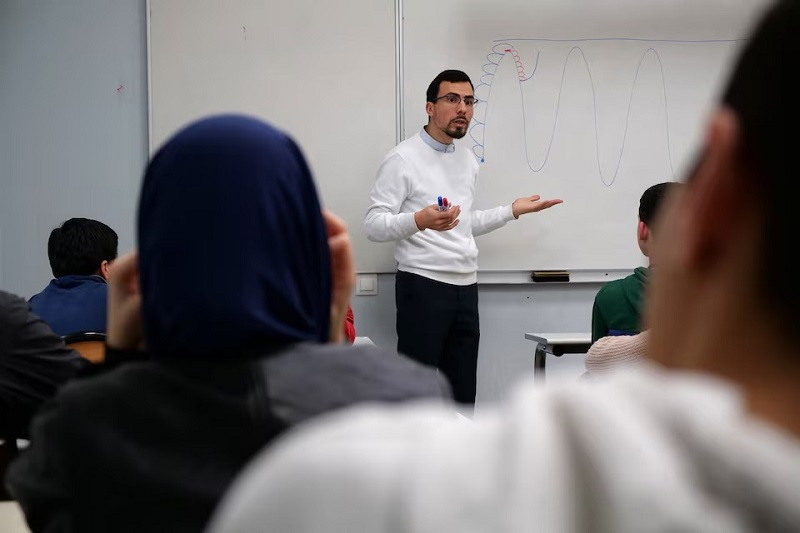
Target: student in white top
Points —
{"points": [[613, 352], [704, 438], [437, 259]]}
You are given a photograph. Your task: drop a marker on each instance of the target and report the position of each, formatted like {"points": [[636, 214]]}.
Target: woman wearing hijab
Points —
{"points": [[240, 284]]}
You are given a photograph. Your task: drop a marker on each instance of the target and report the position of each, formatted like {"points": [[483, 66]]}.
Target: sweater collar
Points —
{"points": [[436, 145]]}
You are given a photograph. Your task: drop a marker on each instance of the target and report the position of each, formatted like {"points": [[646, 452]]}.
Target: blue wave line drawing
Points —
{"points": [[503, 48]]}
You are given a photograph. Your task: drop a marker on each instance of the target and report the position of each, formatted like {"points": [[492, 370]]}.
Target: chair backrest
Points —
{"points": [[90, 344]]}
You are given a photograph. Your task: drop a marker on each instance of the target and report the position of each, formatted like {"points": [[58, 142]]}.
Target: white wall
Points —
{"points": [[73, 110], [507, 312], [73, 143]]}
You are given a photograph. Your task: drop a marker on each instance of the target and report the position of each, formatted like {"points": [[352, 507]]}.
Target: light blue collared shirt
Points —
{"points": [[436, 145]]}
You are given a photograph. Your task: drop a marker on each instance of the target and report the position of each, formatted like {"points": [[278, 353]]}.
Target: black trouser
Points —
{"points": [[437, 324]]}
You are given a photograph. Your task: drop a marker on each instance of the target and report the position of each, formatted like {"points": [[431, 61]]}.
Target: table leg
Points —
{"points": [[539, 358]]}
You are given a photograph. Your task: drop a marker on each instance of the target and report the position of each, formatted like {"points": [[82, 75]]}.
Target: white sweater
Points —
{"points": [[645, 451], [411, 177]]}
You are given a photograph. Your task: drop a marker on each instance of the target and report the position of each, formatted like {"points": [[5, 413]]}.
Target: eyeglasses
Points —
{"points": [[455, 99]]}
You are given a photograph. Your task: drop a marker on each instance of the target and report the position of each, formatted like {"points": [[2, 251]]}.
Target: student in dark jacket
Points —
{"points": [[241, 288], [34, 363]]}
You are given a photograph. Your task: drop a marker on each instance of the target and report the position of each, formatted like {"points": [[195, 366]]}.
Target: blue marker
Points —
{"points": [[441, 204]]}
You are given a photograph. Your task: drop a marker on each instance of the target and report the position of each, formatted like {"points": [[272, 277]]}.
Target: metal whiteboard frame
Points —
{"points": [[399, 71]]}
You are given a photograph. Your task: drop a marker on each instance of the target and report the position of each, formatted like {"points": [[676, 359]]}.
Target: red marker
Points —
{"points": [[446, 205]]}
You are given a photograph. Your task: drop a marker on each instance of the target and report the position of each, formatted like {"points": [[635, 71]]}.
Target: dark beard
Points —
{"points": [[455, 134]]}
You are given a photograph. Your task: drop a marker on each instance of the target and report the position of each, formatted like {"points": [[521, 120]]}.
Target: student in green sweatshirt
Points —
{"points": [[617, 306]]}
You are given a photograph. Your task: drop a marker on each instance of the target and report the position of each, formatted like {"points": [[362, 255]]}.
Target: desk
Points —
{"points": [[11, 518], [363, 341], [557, 344]]}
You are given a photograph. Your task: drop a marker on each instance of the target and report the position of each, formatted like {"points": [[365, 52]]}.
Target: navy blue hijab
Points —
{"points": [[233, 251]]}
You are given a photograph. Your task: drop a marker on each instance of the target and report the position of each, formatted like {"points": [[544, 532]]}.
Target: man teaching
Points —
{"points": [[436, 289]]}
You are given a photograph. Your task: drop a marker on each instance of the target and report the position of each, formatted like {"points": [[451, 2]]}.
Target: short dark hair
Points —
{"points": [[453, 76], [80, 246], [764, 93], [651, 200]]}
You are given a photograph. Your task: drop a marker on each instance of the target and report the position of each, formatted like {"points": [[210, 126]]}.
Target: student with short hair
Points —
{"points": [[81, 251], [617, 308]]}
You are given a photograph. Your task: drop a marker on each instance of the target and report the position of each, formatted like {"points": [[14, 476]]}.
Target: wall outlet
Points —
{"points": [[367, 284]]}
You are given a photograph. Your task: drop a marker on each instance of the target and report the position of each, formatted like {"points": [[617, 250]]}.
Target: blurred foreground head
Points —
{"points": [[726, 297], [233, 252]]}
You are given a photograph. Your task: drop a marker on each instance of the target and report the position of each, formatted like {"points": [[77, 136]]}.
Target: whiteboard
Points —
{"points": [[322, 71], [584, 100]]}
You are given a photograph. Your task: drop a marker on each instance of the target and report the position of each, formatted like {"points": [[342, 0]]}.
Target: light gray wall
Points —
{"points": [[507, 312], [73, 113], [73, 110]]}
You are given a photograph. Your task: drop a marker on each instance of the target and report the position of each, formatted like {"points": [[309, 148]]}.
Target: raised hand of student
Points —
{"points": [[431, 218], [124, 331], [531, 204], [343, 273]]}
